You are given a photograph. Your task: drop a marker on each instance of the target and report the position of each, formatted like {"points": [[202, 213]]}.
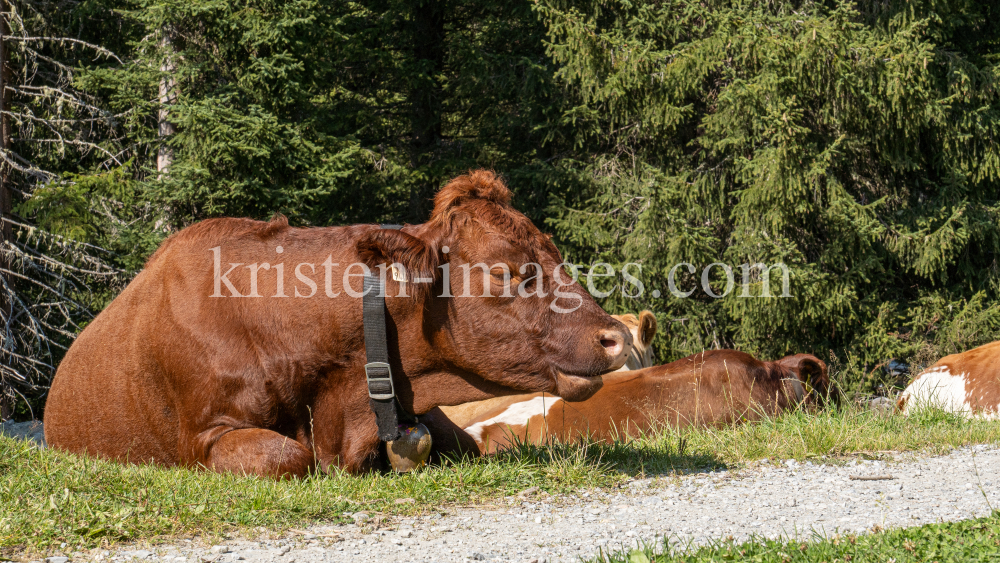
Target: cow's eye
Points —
{"points": [[501, 274]]}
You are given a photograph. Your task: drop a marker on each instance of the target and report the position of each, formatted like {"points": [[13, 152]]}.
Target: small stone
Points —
{"points": [[404, 501], [405, 533], [56, 559], [527, 492], [220, 549], [285, 549], [538, 519], [308, 537], [790, 503], [360, 517]]}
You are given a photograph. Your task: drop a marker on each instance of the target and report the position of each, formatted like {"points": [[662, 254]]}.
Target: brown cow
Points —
{"points": [[179, 370], [967, 384], [710, 388]]}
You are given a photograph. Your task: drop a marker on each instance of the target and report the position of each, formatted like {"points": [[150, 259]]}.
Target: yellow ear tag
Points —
{"points": [[398, 274], [808, 388]]}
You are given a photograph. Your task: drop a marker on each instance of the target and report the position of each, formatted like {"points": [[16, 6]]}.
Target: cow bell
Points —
{"points": [[411, 450]]}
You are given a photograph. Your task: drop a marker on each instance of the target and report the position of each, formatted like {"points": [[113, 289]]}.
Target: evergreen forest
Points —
{"points": [[853, 141]]}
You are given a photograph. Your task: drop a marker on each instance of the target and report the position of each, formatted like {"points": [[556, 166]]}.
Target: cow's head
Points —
{"points": [[643, 329], [512, 313], [813, 382]]}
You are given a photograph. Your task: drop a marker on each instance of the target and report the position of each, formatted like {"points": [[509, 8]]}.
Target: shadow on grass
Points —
{"points": [[640, 456]]}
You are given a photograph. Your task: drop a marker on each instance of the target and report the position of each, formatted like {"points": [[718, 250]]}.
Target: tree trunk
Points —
{"points": [[168, 96], [6, 229], [425, 96]]}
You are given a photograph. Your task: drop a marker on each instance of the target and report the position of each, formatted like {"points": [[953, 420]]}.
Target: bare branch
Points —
{"points": [[74, 142], [98, 48]]}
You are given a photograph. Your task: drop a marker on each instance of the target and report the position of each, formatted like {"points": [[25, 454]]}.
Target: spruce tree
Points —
{"points": [[854, 142]]}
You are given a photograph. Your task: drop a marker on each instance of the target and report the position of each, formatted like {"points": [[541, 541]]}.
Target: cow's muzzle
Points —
{"points": [[616, 344]]}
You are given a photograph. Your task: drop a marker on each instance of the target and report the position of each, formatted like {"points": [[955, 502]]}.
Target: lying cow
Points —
{"points": [[214, 356], [967, 384], [710, 388]]}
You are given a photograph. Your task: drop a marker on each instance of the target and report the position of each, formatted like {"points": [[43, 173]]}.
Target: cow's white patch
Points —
{"points": [[516, 414], [938, 387]]}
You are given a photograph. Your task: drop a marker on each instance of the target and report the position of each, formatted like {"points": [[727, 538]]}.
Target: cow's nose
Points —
{"points": [[616, 345]]}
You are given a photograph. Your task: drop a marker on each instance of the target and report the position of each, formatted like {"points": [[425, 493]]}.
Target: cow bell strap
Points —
{"points": [[378, 373]]}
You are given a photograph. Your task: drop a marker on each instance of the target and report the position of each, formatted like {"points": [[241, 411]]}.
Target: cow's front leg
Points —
{"points": [[256, 451]]}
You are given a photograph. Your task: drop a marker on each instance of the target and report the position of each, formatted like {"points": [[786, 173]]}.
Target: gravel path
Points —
{"points": [[789, 499]]}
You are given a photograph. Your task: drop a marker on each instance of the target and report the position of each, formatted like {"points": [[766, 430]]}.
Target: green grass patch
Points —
{"points": [[969, 540], [48, 497], [799, 435]]}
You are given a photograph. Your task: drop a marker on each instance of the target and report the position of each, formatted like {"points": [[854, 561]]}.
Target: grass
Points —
{"points": [[966, 541], [48, 497]]}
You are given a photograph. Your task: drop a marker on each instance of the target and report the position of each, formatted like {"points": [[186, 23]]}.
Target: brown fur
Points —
{"points": [[711, 388], [271, 385]]}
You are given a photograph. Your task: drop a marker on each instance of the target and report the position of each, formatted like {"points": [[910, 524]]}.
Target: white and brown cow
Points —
{"points": [[967, 384], [710, 388]]}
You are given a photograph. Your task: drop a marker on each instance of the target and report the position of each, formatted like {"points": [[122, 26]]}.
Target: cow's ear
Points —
{"points": [[391, 246], [811, 370], [647, 327]]}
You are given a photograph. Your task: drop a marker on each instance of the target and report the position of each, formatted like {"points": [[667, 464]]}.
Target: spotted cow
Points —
{"points": [[710, 388], [967, 384]]}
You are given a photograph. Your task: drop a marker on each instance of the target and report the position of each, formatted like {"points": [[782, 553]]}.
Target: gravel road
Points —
{"points": [[789, 499]]}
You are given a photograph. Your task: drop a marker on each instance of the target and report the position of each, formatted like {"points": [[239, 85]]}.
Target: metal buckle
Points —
{"points": [[369, 378]]}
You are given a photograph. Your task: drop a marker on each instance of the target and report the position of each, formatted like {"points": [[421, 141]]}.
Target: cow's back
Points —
{"points": [[111, 395], [716, 387], [967, 383]]}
